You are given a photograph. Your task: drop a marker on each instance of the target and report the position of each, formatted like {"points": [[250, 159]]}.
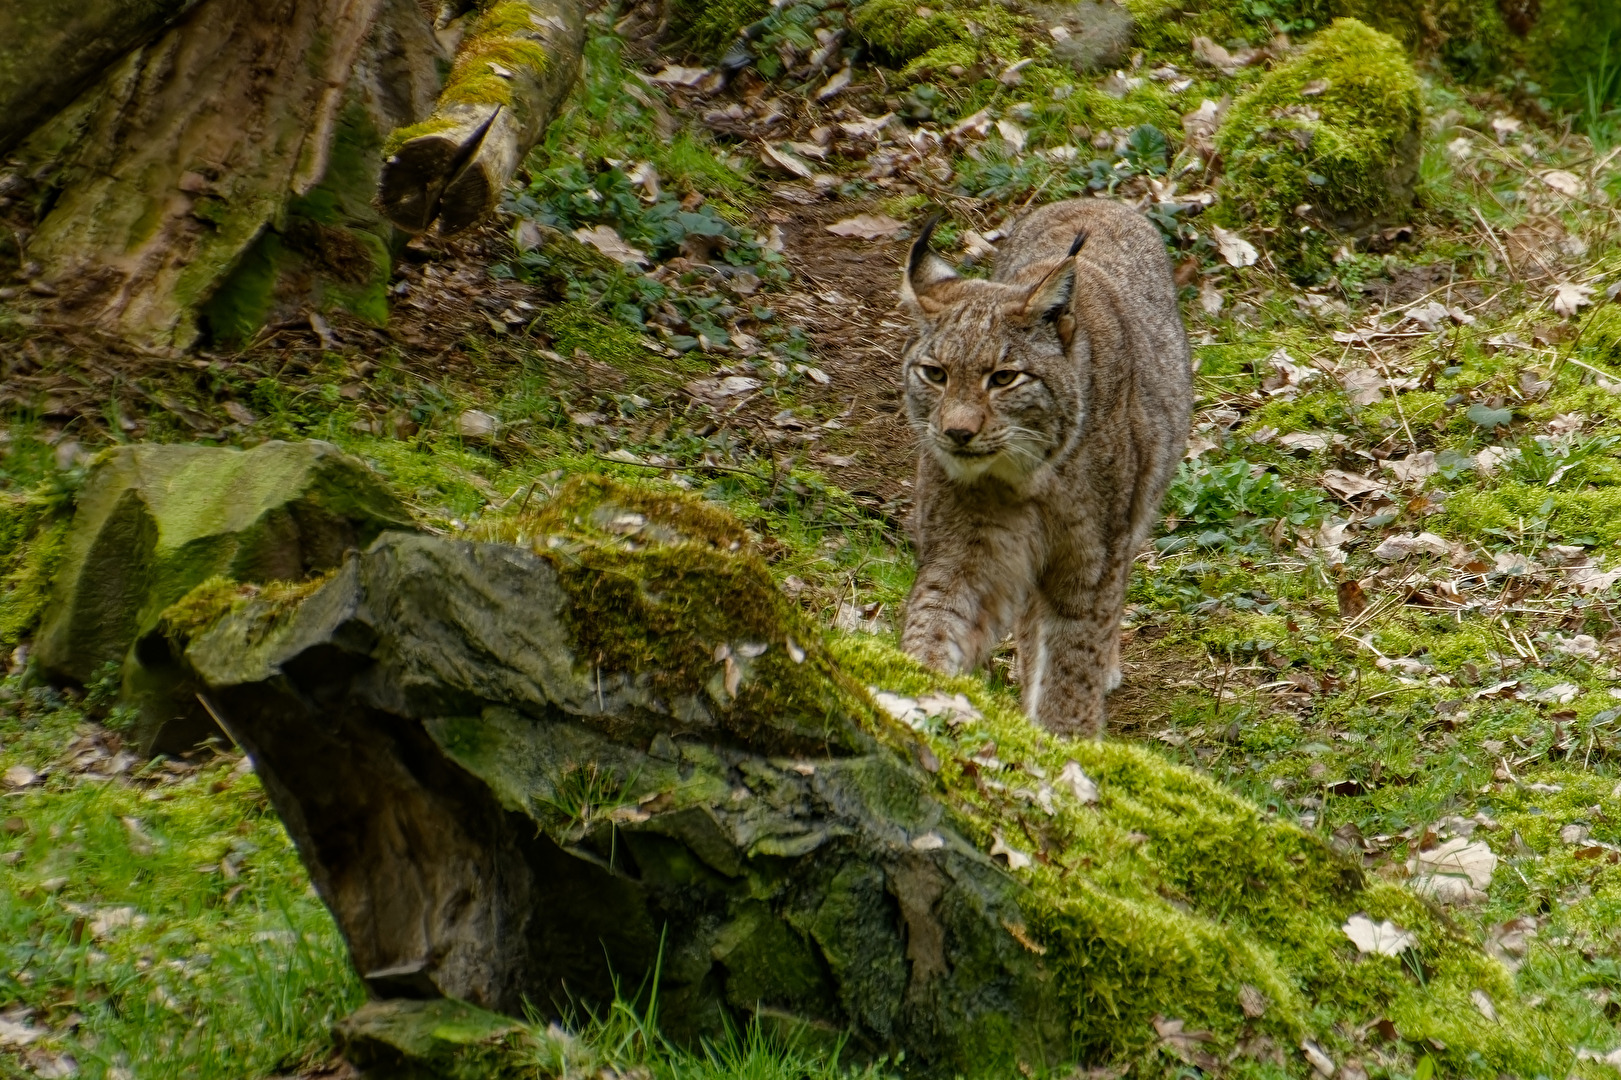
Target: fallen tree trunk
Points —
{"points": [[51, 52], [512, 72], [190, 147]]}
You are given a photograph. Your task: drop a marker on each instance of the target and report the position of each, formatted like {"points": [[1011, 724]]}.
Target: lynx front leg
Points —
{"points": [[954, 618], [1067, 667]]}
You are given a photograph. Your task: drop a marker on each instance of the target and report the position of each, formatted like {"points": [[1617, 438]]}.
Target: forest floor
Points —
{"points": [[1383, 604]]}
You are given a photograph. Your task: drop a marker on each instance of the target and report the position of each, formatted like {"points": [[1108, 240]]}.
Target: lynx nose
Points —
{"points": [[961, 435]]}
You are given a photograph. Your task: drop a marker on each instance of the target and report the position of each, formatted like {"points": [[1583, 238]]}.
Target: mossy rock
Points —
{"points": [[1324, 145], [598, 744], [896, 34], [451, 1040], [152, 522], [1100, 33], [32, 527]]}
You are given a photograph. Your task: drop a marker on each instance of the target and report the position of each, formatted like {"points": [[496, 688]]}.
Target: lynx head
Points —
{"points": [[991, 379]]}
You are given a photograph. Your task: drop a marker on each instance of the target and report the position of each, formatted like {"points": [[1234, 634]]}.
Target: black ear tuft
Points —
{"points": [[1075, 248], [920, 246]]}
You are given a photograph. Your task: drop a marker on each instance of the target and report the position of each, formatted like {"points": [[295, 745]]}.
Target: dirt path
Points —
{"points": [[843, 297]]}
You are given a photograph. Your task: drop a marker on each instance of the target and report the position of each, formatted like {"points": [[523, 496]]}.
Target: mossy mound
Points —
{"points": [[711, 25], [1546, 48], [153, 521], [1325, 144], [449, 1040], [952, 36], [607, 700]]}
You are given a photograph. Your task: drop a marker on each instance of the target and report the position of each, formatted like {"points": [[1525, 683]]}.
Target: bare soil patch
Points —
{"points": [[845, 303]]}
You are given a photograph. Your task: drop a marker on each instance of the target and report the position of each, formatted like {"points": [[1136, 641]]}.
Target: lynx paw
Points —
{"points": [[935, 651]]}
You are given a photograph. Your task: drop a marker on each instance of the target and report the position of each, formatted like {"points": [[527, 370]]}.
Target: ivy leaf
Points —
{"points": [[1488, 417]]}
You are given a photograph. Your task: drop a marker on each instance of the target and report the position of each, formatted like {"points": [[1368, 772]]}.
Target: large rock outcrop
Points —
{"points": [[596, 746], [511, 784], [153, 522]]}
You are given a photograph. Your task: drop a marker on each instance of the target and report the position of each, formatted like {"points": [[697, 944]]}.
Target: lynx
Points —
{"points": [[1052, 405]]}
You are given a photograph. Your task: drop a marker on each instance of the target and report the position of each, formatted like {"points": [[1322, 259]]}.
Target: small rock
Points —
{"points": [[475, 424], [20, 776]]}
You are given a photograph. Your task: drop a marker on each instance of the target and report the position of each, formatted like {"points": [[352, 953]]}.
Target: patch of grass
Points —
{"points": [[156, 919]]}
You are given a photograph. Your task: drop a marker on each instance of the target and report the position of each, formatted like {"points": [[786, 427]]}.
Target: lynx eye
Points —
{"points": [[936, 375], [1004, 378]]}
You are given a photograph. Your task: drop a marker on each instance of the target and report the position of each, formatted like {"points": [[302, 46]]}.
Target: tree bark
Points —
{"points": [[511, 74], [51, 51], [184, 153]]}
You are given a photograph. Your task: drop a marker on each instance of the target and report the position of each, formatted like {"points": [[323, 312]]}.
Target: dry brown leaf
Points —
{"points": [[778, 159], [1321, 1063], [836, 84], [675, 75], [1566, 183], [1457, 871], [1235, 250], [1190, 1046], [611, 244], [1569, 298], [1348, 485], [1383, 938]]}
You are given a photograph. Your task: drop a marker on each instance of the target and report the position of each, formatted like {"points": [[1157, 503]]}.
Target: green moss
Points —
{"points": [[1602, 332], [1591, 513], [1348, 150], [32, 529], [582, 326], [452, 1040], [400, 136], [663, 583], [1171, 893], [475, 81], [1461, 32], [200, 609], [328, 249], [897, 35], [712, 25], [953, 35], [243, 301]]}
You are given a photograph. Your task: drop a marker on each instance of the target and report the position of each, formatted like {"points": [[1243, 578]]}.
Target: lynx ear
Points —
{"points": [[1050, 298], [925, 272]]}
